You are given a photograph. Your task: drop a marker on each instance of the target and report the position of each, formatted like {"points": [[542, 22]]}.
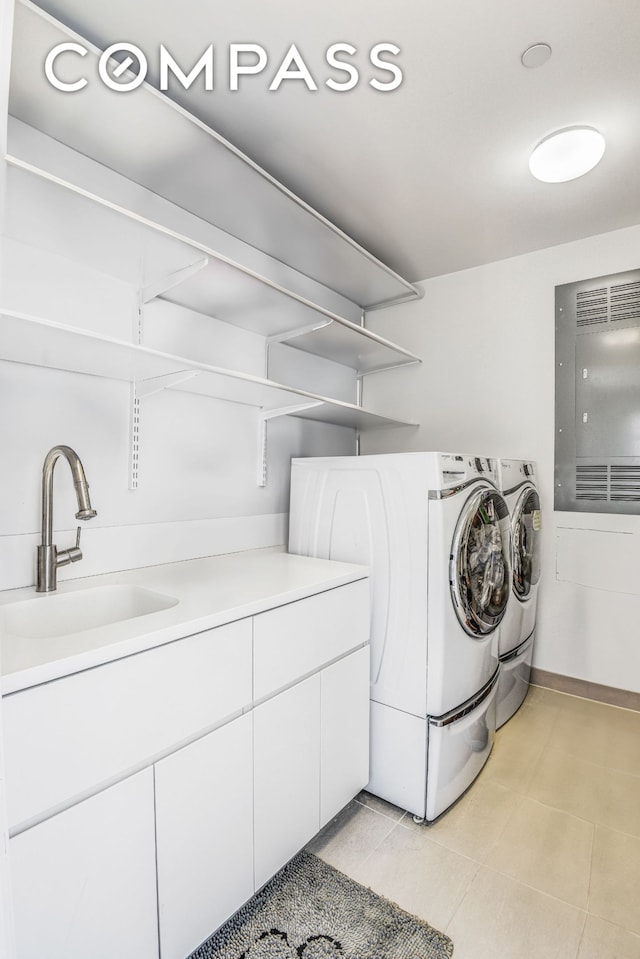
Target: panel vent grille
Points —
{"points": [[608, 483], [624, 483], [606, 305], [592, 306], [592, 482]]}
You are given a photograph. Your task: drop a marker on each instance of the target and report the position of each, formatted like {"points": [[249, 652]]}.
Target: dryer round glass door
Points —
{"points": [[525, 531], [479, 572]]}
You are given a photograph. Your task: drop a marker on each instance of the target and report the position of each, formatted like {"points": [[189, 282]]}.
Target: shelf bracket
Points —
{"points": [[166, 283], [298, 331], [384, 369], [290, 335], [155, 384], [140, 389], [263, 418]]}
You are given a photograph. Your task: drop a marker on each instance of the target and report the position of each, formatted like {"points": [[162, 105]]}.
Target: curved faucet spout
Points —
{"points": [[49, 558], [79, 481]]}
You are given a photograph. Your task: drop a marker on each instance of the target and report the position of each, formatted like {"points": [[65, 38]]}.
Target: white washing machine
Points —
{"points": [[434, 529], [517, 481]]}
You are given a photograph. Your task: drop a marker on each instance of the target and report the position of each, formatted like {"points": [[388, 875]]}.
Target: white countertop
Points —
{"points": [[210, 592]]}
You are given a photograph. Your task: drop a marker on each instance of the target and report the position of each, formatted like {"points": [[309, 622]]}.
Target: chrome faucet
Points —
{"points": [[49, 556]]}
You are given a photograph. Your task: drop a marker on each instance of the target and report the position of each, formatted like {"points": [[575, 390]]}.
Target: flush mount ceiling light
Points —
{"points": [[567, 154], [536, 55]]}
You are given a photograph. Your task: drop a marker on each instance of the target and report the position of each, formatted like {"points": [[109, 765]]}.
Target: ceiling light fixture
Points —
{"points": [[536, 55], [567, 154]]}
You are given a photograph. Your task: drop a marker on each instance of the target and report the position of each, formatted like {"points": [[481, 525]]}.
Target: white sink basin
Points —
{"points": [[61, 614]]}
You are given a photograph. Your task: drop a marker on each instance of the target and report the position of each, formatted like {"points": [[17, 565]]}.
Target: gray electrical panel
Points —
{"points": [[597, 448]]}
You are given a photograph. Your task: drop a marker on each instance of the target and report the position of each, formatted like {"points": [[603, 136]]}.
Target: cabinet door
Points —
{"points": [[344, 756], [204, 826], [286, 775], [93, 734], [296, 639], [84, 881]]}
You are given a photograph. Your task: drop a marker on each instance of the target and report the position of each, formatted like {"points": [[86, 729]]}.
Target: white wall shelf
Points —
{"points": [[143, 133], [38, 342], [46, 211], [346, 343]]}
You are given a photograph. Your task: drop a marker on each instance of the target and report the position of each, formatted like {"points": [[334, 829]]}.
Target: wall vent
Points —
{"points": [[624, 484], [592, 482], [608, 304], [625, 301], [592, 306], [608, 483]]}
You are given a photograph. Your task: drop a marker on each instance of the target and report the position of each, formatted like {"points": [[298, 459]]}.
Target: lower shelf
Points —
{"points": [[38, 342]]}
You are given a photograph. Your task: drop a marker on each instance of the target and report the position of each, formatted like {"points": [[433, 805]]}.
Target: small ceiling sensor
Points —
{"points": [[567, 154], [536, 55]]}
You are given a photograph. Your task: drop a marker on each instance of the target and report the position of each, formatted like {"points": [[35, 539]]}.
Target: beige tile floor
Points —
{"points": [[540, 858]]}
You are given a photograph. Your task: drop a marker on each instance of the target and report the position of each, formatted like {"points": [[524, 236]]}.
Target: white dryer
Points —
{"points": [[434, 529], [517, 480]]}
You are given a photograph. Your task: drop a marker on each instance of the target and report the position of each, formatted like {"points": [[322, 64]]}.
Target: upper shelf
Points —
{"points": [[37, 342], [148, 138], [49, 213]]}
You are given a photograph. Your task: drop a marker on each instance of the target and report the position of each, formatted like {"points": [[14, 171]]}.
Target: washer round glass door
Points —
{"points": [[479, 564], [525, 532]]}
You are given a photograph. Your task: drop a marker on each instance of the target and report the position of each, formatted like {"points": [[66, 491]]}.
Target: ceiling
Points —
{"points": [[431, 177]]}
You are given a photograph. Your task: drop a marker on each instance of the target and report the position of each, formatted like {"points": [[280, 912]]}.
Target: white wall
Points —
{"points": [[486, 385]]}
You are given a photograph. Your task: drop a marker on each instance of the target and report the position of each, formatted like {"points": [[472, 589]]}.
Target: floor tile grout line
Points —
{"points": [[581, 939], [463, 896], [483, 864], [522, 796], [519, 800], [590, 762], [573, 815], [384, 838], [616, 925], [429, 839], [527, 885], [593, 846], [593, 822], [435, 838], [379, 812], [542, 892]]}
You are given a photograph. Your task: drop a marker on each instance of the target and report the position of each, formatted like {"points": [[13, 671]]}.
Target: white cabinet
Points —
{"points": [[344, 736], [296, 639], [311, 742], [93, 736], [232, 780], [311, 757], [286, 775], [204, 834], [85, 880]]}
